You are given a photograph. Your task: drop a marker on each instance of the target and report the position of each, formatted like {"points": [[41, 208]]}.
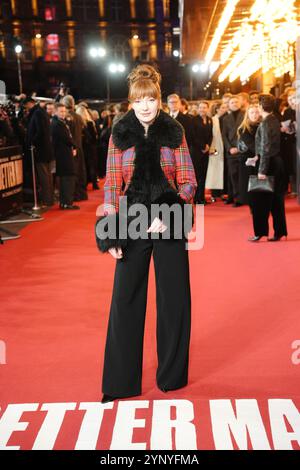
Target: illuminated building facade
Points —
{"points": [[252, 42], [56, 36]]}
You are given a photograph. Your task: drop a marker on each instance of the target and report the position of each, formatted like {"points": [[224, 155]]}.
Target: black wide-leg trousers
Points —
{"points": [[263, 204], [122, 372]]}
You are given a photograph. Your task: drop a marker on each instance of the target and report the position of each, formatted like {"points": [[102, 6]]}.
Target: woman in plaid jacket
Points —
{"points": [[149, 163]]}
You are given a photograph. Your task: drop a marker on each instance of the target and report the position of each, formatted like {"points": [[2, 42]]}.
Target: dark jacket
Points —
{"points": [[246, 142], [221, 119], [202, 135], [246, 147], [288, 143], [187, 123], [63, 145], [7, 136], [76, 125], [267, 147], [90, 137], [39, 135], [229, 131]]}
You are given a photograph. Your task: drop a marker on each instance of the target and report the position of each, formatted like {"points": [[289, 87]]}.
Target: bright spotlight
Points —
{"points": [[121, 68], [93, 52], [113, 68], [195, 68], [101, 52], [18, 49]]}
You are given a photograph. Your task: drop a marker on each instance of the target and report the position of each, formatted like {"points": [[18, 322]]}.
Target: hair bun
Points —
{"points": [[144, 72]]}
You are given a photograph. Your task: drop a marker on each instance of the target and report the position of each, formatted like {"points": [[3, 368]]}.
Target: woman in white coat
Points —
{"points": [[215, 171]]}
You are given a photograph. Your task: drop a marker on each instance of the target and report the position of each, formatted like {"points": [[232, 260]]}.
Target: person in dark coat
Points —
{"points": [[231, 123], [104, 141], [225, 102], [64, 151], [38, 135], [202, 139], [246, 147], [89, 143], [267, 149], [174, 105], [76, 125], [289, 144], [147, 150], [7, 135]]}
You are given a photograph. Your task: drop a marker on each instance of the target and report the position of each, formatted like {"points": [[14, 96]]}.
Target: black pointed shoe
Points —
{"points": [[68, 207], [254, 239], [277, 238], [107, 398], [166, 389]]}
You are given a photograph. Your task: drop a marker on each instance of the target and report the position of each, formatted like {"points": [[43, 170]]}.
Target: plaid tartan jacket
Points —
{"points": [[156, 168], [126, 145]]}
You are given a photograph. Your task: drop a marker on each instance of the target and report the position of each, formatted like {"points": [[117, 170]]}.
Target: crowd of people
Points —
{"points": [[70, 143], [239, 136]]}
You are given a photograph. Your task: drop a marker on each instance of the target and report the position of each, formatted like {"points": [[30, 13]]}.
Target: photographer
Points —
{"points": [[38, 135], [7, 136]]}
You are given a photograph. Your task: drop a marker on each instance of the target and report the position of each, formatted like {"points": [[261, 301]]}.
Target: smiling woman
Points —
{"points": [[148, 151], [145, 95]]}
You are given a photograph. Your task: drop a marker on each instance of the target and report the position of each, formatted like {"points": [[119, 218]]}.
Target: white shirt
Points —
{"points": [[174, 115]]}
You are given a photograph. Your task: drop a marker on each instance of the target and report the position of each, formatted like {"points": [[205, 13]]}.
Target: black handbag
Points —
{"points": [[256, 185]]}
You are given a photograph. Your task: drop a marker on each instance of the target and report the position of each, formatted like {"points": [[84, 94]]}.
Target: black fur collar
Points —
{"points": [[165, 131], [148, 182]]}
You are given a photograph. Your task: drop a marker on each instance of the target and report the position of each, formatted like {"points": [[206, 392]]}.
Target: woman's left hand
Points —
{"points": [[261, 177], [157, 226]]}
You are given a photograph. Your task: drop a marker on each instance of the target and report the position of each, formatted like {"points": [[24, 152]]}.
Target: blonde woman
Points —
{"points": [[246, 145], [289, 141], [148, 151], [89, 142]]}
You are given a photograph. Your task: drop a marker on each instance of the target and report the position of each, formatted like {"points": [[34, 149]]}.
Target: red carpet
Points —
{"points": [[244, 373]]}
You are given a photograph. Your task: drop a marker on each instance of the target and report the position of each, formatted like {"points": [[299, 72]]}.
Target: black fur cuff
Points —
{"points": [[106, 240]]}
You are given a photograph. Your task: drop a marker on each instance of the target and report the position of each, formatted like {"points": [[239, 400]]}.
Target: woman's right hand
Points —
{"points": [[116, 252]]}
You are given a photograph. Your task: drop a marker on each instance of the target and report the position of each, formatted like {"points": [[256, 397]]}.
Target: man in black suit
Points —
{"points": [[185, 120], [38, 135], [202, 139], [231, 123], [64, 151]]}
